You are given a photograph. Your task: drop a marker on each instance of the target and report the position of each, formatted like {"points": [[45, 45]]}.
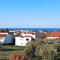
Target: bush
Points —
{"points": [[37, 58], [30, 50]]}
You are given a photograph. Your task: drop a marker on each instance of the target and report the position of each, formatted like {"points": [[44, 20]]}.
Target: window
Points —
{"points": [[27, 39]]}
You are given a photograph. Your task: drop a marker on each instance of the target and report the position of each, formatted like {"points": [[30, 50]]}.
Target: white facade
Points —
{"points": [[21, 41], [34, 36], [2, 39]]}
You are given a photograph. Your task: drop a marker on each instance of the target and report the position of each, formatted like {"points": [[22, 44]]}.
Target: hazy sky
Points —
{"points": [[30, 13]]}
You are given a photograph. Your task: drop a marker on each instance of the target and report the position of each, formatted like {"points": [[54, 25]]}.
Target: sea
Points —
{"points": [[33, 29]]}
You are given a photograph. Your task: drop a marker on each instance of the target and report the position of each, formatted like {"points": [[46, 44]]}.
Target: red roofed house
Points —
{"points": [[53, 35]]}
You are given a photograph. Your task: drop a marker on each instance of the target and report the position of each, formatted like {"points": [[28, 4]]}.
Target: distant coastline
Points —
{"points": [[33, 29]]}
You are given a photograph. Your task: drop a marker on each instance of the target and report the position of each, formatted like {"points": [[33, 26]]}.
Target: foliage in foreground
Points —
{"points": [[41, 49]]}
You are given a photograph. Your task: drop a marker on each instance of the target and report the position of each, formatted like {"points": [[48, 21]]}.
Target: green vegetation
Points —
{"points": [[7, 50], [35, 50], [46, 49]]}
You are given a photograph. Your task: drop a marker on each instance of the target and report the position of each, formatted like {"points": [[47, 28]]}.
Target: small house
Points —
{"points": [[23, 39]]}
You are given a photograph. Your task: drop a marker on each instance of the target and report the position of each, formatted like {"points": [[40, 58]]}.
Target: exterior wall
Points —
{"points": [[52, 37], [21, 41], [2, 40], [2, 37], [34, 36]]}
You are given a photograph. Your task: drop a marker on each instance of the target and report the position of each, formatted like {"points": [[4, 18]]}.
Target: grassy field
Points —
{"points": [[7, 50]]}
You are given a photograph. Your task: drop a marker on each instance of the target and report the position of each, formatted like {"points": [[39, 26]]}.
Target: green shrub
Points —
{"points": [[37, 58]]}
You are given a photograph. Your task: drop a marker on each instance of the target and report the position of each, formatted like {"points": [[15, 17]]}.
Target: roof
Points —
{"points": [[33, 33], [19, 36], [53, 34], [3, 34], [28, 36], [22, 36]]}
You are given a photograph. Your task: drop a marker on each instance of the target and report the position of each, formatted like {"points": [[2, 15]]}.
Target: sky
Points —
{"points": [[29, 13]]}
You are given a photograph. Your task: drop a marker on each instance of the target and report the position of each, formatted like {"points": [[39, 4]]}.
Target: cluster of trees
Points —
{"points": [[41, 49], [38, 48]]}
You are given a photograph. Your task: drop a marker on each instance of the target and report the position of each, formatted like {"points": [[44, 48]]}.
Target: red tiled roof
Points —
{"points": [[29, 33], [28, 36], [53, 34], [3, 31], [22, 36], [3, 34]]}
